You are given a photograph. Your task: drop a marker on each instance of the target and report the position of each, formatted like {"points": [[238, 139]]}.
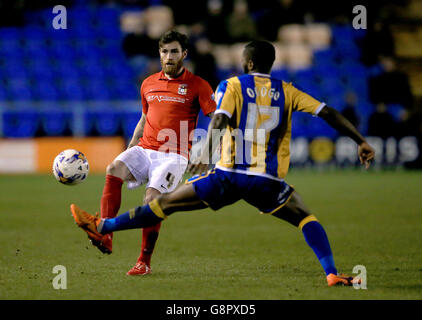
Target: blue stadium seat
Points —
{"points": [[106, 17], [45, 91], [336, 101], [62, 50], [124, 90], [10, 48], [35, 50], [55, 121], [353, 70], [120, 71], [72, 89], [281, 73], [20, 89], [111, 32], [34, 33], [324, 57], [342, 32], [129, 120], [91, 71], [332, 86], [20, 124], [4, 95], [300, 125], [345, 48], [97, 90], [15, 70], [106, 122], [65, 71]]}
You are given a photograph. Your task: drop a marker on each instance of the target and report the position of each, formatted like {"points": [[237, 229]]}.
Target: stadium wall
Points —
{"points": [[37, 155]]}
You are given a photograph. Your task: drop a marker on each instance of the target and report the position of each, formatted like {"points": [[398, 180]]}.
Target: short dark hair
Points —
{"points": [[262, 54], [173, 35]]}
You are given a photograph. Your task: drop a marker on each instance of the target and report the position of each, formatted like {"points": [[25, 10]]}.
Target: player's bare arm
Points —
{"points": [[138, 132], [218, 122], [336, 120]]}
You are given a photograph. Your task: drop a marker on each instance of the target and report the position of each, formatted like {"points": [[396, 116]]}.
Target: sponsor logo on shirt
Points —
{"points": [[161, 98]]}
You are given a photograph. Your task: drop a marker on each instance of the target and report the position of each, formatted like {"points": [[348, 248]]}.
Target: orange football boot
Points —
{"points": [[341, 279], [89, 223]]}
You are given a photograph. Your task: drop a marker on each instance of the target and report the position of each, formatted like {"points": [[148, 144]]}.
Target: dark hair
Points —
{"points": [[173, 35], [262, 54]]}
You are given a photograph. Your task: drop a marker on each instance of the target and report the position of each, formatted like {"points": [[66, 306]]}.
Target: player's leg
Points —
{"points": [[184, 198], [128, 166], [149, 234], [117, 172], [296, 213], [149, 239], [165, 172]]}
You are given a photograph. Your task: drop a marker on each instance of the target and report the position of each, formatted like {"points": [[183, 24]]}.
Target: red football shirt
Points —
{"points": [[172, 107]]}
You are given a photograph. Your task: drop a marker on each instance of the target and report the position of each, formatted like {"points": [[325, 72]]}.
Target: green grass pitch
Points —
{"points": [[372, 218]]}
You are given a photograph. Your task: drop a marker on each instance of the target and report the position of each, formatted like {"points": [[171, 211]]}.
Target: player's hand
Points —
{"points": [[197, 168], [366, 154]]}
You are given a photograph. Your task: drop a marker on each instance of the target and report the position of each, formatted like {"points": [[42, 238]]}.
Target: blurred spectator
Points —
{"points": [[349, 111], [144, 30], [377, 42], [271, 14], [391, 86], [204, 62], [381, 123], [215, 22], [187, 12], [240, 26]]}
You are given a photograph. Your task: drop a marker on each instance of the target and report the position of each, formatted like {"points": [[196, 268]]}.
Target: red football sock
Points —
{"points": [[149, 237], [112, 197]]}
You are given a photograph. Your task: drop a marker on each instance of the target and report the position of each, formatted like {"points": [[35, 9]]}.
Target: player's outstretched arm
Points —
{"points": [[336, 120], [138, 132]]}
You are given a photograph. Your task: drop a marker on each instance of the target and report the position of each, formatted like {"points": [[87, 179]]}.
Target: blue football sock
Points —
{"points": [[139, 217], [316, 238]]}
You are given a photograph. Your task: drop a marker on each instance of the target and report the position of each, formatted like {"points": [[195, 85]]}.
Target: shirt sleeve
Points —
{"points": [[301, 101], [206, 97], [143, 100], [226, 98]]}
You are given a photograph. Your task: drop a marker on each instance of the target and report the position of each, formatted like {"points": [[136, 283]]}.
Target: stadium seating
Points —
{"points": [[86, 62]]}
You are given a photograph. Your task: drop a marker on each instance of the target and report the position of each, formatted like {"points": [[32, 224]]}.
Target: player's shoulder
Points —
{"points": [[196, 79], [151, 78]]}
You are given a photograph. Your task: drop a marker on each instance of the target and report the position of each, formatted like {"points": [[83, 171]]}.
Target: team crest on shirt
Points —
{"points": [[183, 89]]}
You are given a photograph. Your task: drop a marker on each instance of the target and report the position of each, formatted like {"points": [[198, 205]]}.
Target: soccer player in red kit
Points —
{"points": [[158, 151]]}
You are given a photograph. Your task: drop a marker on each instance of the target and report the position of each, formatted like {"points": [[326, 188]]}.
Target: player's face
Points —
{"points": [[171, 57]]}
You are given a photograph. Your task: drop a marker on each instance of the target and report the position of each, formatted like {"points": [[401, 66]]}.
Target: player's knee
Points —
{"points": [[163, 201], [111, 168], [148, 199], [115, 169]]}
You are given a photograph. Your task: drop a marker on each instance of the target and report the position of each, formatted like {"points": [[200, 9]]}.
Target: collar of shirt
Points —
{"points": [[260, 74], [179, 78]]}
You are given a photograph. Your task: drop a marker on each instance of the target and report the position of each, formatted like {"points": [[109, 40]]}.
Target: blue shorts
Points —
{"points": [[219, 188]]}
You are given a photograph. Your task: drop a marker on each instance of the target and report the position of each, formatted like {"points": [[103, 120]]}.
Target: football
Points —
{"points": [[70, 167]]}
